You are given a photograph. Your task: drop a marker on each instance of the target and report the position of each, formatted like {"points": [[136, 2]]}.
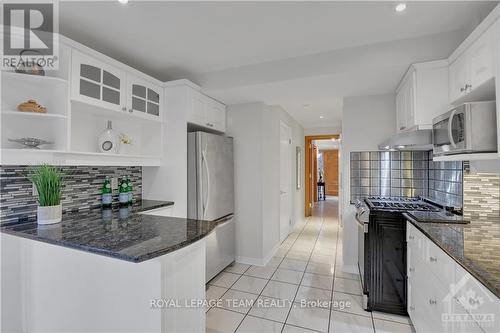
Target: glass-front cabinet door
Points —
{"points": [[95, 82], [144, 97]]}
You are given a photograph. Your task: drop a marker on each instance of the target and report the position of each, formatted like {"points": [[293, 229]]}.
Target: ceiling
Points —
{"points": [[304, 56]]}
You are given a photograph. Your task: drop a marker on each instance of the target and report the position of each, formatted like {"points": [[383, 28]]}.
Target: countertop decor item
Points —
{"points": [[31, 143], [108, 140], [31, 106], [125, 144], [25, 66], [48, 182]]}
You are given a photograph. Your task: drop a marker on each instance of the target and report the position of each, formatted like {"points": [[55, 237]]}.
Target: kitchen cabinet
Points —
{"points": [[143, 97], [440, 290], [206, 112], [422, 95], [97, 83], [474, 68]]}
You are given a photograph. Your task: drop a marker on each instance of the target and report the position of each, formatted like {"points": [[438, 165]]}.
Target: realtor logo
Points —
{"points": [[30, 34]]}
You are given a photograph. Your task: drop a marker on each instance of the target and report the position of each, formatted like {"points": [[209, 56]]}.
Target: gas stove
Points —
{"points": [[400, 204]]}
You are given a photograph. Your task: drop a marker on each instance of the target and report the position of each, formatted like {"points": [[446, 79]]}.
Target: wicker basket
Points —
{"points": [[31, 106]]}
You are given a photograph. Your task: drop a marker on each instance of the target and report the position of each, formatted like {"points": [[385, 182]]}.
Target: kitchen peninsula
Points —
{"points": [[101, 270]]}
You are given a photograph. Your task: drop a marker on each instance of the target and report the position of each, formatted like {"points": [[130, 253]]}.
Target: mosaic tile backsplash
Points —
{"points": [[405, 173], [482, 194], [81, 190]]}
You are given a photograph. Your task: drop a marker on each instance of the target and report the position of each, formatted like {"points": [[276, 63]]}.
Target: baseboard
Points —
{"points": [[352, 269], [258, 261]]}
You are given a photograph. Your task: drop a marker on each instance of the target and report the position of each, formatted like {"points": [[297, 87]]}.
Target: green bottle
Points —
{"points": [[106, 196], [123, 192], [130, 191]]}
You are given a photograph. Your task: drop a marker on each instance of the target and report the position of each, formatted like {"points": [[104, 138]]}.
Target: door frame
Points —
{"points": [[308, 176], [290, 180]]}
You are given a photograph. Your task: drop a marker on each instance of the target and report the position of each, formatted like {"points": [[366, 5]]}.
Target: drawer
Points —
{"points": [[477, 300], [416, 240]]}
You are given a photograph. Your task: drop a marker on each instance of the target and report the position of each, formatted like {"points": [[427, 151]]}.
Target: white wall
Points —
{"points": [[169, 181], [335, 129], [366, 121], [255, 129]]}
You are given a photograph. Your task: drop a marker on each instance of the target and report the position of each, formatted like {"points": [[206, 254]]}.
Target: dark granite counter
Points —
{"points": [[475, 246], [121, 233]]}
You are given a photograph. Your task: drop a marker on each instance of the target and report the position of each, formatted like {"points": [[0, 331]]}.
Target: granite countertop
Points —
{"points": [[121, 233], [475, 246]]}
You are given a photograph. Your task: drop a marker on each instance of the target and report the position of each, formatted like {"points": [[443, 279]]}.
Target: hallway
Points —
{"points": [[301, 289]]}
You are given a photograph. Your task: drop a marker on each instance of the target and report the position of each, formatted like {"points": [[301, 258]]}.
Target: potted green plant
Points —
{"points": [[48, 182]]}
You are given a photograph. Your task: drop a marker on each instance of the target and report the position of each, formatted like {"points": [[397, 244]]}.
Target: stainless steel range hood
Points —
{"points": [[415, 139]]}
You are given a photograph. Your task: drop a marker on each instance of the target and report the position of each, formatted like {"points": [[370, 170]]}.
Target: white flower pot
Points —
{"points": [[49, 214]]}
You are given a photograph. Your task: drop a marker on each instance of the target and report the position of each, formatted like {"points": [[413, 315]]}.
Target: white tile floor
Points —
{"points": [[307, 267]]}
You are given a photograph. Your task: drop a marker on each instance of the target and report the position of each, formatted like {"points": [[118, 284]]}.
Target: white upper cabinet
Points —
{"points": [[422, 95], [143, 97], [474, 69], [206, 112], [216, 113], [458, 74], [97, 83]]}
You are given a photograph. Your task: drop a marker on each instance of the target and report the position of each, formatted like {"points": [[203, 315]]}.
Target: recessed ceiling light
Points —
{"points": [[123, 2], [400, 7], [321, 117], [306, 105]]}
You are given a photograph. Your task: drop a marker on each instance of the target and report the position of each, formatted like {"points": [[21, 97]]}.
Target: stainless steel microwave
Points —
{"points": [[468, 128]]}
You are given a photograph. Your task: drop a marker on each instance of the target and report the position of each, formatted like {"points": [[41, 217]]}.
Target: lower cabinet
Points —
{"points": [[442, 296]]}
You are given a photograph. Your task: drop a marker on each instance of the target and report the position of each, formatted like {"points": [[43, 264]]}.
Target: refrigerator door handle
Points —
{"points": [[205, 203]]}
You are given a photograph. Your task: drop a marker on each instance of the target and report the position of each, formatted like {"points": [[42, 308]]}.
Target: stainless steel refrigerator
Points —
{"points": [[211, 195]]}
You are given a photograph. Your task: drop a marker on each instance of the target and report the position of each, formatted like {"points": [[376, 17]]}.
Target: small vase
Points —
{"points": [[108, 140], [49, 214]]}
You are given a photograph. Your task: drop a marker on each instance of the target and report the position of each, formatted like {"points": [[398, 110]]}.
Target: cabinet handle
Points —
{"points": [[411, 237], [412, 308], [402, 128], [463, 89], [412, 269], [432, 259], [468, 86], [432, 301], [124, 108], [130, 110]]}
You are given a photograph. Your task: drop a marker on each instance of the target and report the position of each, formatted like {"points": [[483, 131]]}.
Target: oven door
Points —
{"points": [[448, 132]]}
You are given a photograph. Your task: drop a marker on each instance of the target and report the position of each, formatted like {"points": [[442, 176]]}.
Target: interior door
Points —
{"points": [[331, 172], [285, 180]]}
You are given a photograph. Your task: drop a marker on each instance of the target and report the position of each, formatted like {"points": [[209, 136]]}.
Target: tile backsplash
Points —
{"points": [[82, 185], [398, 173], [446, 182], [405, 173], [482, 194]]}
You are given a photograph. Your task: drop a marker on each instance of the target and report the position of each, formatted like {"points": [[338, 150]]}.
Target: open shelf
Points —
{"points": [[32, 115], [467, 157], [34, 79], [62, 157]]}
